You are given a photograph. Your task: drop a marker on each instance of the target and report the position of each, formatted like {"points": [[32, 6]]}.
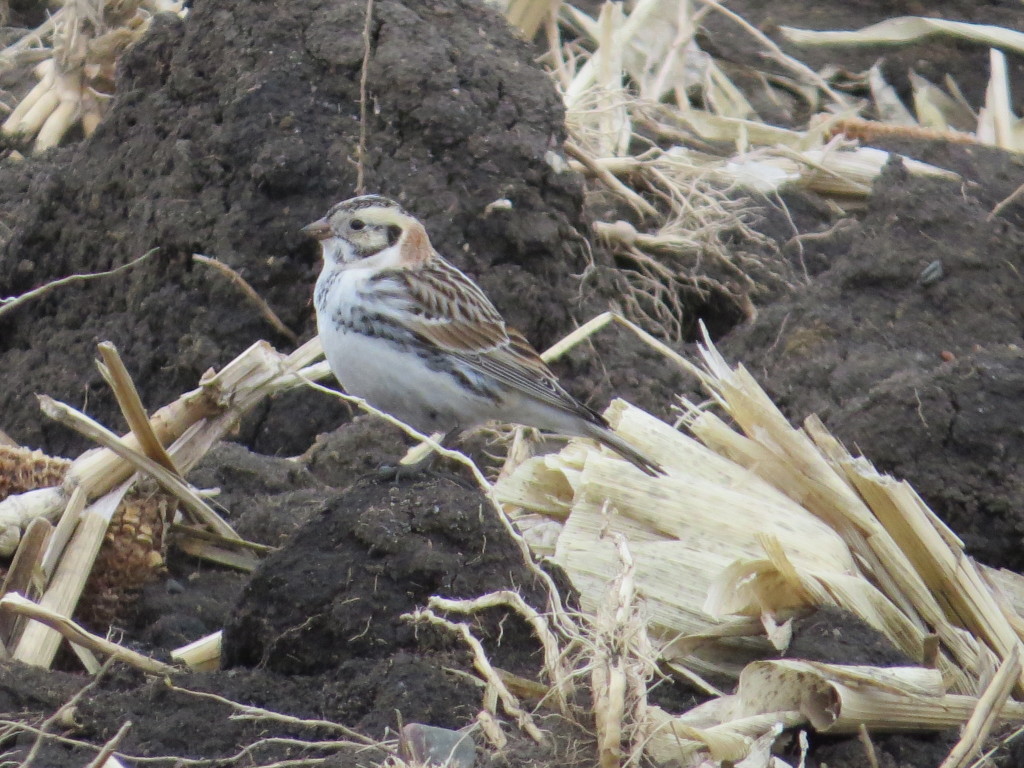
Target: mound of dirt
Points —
{"points": [[333, 600], [923, 375], [318, 631], [335, 592], [231, 131]]}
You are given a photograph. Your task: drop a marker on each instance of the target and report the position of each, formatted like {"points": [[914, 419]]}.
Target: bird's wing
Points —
{"points": [[518, 365], [451, 313], [448, 311]]}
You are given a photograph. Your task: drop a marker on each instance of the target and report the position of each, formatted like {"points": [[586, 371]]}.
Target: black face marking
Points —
{"points": [[394, 232], [364, 251]]}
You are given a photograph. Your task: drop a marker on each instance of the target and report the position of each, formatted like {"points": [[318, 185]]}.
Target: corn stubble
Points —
{"points": [[91, 531], [133, 548], [76, 50], [756, 522]]}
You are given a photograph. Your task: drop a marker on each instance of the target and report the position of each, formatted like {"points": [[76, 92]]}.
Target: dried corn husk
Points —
{"points": [[751, 523], [888, 103], [909, 29], [709, 731], [832, 698], [937, 109], [528, 15], [596, 100], [811, 466], [996, 124], [202, 654], [194, 422], [837, 169], [76, 79], [133, 547], [683, 530]]}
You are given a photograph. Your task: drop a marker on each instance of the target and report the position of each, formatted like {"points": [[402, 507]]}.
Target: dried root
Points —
{"points": [[496, 690], [706, 247], [664, 127], [611, 649], [554, 664]]}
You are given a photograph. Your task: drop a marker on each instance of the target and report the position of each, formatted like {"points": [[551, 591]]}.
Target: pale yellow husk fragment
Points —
{"points": [[528, 15], [831, 698], [753, 524], [684, 530], [596, 100], [202, 654], [995, 124], [935, 108], [909, 29]]}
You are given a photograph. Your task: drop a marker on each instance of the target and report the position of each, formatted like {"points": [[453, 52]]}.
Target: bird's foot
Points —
{"points": [[395, 473], [419, 470]]}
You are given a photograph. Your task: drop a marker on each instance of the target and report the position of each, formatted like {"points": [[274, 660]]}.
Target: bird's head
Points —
{"points": [[365, 226]]}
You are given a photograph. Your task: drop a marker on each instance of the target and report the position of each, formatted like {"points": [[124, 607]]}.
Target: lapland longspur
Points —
{"points": [[412, 335]]}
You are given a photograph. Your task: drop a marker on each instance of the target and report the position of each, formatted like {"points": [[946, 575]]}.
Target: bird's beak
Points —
{"points": [[319, 229]]}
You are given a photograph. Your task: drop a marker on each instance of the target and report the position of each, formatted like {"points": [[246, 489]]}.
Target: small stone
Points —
{"points": [[428, 745], [932, 273]]}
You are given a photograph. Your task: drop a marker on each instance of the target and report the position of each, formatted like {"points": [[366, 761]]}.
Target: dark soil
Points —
{"points": [[927, 380], [235, 128], [830, 635]]}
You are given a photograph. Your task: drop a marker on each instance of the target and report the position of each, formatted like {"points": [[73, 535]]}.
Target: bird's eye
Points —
{"points": [[356, 224]]}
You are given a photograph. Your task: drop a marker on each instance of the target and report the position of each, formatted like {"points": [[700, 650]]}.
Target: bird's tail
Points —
{"points": [[626, 451]]}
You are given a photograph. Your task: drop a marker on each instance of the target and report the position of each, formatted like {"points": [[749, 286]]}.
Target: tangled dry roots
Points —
{"points": [[706, 250]]}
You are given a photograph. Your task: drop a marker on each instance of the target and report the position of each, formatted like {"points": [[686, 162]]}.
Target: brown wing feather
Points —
{"points": [[518, 365], [453, 314]]}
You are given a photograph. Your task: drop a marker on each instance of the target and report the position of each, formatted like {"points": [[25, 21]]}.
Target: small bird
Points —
{"points": [[413, 336]]}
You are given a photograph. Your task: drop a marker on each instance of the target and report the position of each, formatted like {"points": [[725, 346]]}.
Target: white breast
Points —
{"points": [[387, 374]]}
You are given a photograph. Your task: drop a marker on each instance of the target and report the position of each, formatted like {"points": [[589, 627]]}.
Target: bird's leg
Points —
{"points": [[396, 472]]}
